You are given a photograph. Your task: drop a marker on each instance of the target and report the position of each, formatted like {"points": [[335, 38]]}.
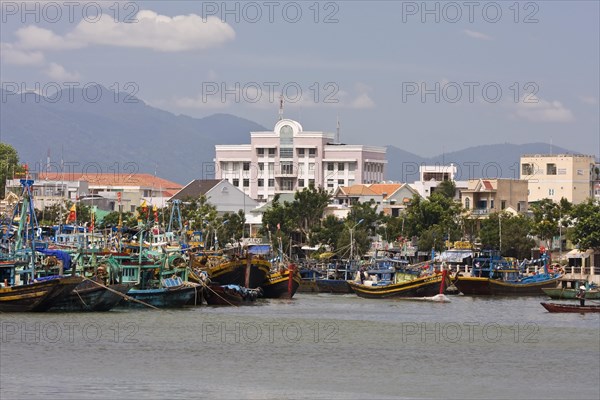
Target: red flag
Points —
{"points": [[72, 214]]}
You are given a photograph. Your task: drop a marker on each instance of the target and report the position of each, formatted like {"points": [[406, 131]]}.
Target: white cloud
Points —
{"points": [[362, 101], [476, 35], [147, 30], [59, 73], [34, 37], [537, 110], [588, 100], [11, 55], [256, 96]]}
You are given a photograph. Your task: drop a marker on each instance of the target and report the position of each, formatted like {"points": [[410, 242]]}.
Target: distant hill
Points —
{"points": [[119, 133], [487, 161], [114, 131]]}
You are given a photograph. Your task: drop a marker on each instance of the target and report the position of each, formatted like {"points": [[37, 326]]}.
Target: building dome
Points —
{"points": [[284, 126]]}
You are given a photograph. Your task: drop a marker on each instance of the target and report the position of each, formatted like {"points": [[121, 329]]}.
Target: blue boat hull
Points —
{"points": [[333, 286], [160, 298]]}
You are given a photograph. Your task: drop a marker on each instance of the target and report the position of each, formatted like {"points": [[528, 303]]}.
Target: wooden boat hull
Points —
{"points": [[91, 297], [560, 293], [218, 295], [37, 296], [570, 308], [278, 285], [473, 285], [160, 298], [333, 286], [502, 288], [234, 273], [419, 287], [308, 286]]}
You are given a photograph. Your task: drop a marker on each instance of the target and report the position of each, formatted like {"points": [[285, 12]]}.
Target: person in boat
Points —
{"points": [[581, 295], [363, 276]]}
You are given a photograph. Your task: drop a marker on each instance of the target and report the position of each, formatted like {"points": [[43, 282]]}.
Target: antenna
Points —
{"points": [[281, 106], [337, 131]]}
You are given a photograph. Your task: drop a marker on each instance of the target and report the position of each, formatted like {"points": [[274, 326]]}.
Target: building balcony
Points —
{"points": [[286, 173], [480, 211]]}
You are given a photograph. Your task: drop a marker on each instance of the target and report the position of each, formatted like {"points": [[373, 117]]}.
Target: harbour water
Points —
{"points": [[312, 347]]}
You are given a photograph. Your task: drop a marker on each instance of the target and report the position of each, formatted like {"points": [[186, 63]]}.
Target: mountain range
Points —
{"points": [[98, 130]]}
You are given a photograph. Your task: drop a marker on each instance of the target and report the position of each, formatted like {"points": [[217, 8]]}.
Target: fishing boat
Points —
{"points": [[492, 275], [309, 280], [282, 283], [568, 288], [20, 288], [38, 295], [230, 295], [485, 266], [570, 308], [403, 283], [516, 283], [160, 280], [92, 295], [336, 279]]}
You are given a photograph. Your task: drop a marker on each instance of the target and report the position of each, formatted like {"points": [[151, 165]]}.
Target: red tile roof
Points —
{"points": [[387, 188], [488, 185], [115, 180]]}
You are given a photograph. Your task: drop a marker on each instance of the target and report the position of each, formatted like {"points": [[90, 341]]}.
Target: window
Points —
{"points": [[340, 182], [300, 182], [236, 182], [467, 203], [287, 168], [261, 166], [271, 153], [235, 166], [271, 182], [550, 192], [351, 166], [340, 166], [330, 166], [261, 182], [271, 167], [311, 182], [312, 153], [246, 166], [286, 152], [550, 169], [300, 152], [260, 151], [300, 169], [330, 183], [246, 183], [287, 184], [311, 167], [503, 204]]}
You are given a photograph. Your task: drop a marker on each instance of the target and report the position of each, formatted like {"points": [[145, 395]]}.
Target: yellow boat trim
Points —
{"points": [[22, 296], [392, 288]]}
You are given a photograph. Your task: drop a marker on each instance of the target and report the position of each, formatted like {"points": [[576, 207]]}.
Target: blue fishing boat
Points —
{"points": [[20, 287]]}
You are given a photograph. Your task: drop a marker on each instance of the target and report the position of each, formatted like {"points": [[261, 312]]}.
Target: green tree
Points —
{"points": [[446, 189], [296, 219], [328, 233], [233, 230], [516, 241], [308, 207], [423, 214], [586, 229], [9, 165], [546, 215]]}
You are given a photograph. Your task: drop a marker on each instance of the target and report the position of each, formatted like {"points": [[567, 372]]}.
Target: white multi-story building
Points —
{"points": [[289, 158], [557, 176]]}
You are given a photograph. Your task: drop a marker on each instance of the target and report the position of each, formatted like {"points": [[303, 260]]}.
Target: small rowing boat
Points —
{"points": [[570, 308]]}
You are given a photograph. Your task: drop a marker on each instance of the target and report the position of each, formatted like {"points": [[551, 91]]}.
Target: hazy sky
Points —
{"points": [[427, 77]]}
